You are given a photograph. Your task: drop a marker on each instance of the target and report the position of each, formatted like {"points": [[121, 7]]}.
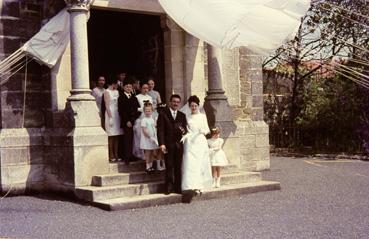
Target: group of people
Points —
{"points": [[139, 126]]}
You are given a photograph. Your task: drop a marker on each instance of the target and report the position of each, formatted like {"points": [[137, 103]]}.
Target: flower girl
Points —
{"points": [[217, 156]]}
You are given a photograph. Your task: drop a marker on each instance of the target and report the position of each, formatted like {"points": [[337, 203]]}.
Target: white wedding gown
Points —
{"points": [[196, 168]]}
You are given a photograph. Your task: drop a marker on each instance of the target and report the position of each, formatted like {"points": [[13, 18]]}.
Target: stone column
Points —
{"points": [[218, 110], [78, 10], [80, 144], [173, 57], [216, 104], [194, 70]]}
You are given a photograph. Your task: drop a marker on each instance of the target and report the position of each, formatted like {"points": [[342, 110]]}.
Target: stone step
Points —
{"points": [[240, 177], [141, 177], [140, 165], [127, 178], [121, 167], [93, 193], [156, 199]]}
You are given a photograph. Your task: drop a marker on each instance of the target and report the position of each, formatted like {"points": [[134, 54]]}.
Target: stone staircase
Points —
{"points": [[128, 187]]}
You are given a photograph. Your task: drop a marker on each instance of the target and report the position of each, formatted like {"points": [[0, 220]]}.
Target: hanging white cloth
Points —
{"points": [[260, 25], [50, 42]]}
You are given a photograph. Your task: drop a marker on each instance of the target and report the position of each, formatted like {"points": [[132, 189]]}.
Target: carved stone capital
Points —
{"points": [[79, 5]]}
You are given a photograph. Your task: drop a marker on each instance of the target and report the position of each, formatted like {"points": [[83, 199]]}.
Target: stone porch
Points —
{"points": [[65, 149]]}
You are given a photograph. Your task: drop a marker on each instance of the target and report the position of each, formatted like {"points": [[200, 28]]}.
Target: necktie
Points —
{"points": [[174, 115]]}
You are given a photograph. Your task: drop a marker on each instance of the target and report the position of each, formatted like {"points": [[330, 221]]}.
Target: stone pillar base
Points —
{"points": [[79, 150], [73, 156], [21, 160], [217, 109], [254, 145]]}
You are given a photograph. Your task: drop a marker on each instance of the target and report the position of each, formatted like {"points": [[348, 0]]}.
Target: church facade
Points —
{"points": [[50, 134]]}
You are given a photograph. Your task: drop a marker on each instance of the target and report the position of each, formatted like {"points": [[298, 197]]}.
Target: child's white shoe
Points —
{"points": [[214, 182], [217, 183], [160, 165]]}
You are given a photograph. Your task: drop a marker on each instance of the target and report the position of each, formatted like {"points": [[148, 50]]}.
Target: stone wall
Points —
{"points": [[25, 97], [251, 129]]}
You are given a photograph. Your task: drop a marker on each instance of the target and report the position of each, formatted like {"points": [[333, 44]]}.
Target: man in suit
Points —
{"points": [[128, 111], [171, 125], [121, 78]]}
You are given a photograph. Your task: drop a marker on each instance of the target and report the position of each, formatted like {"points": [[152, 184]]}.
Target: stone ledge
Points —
{"points": [[20, 137], [152, 200]]}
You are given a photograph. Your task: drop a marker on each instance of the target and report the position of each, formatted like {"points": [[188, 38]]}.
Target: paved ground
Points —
{"points": [[319, 199]]}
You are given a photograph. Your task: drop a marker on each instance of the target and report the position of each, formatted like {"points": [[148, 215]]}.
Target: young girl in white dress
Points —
{"points": [[148, 140], [112, 120], [218, 158], [142, 98]]}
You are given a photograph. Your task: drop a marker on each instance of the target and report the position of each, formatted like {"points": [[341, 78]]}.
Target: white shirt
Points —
{"points": [[174, 113], [128, 95]]}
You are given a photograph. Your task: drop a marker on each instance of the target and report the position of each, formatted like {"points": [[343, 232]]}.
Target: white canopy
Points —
{"points": [[260, 25], [49, 43]]}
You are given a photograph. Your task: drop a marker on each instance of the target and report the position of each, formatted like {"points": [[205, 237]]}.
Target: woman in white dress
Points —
{"points": [[112, 120], [142, 99], [98, 92], [156, 99], [196, 169]]}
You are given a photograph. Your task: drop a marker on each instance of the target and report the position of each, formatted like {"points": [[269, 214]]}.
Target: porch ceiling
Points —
{"points": [[138, 6]]}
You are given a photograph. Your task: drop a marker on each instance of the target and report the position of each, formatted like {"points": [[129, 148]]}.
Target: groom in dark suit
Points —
{"points": [[171, 125]]}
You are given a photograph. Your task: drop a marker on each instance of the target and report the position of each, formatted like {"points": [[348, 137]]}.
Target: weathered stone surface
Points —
{"points": [[83, 113], [22, 155], [248, 141], [20, 137], [257, 88], [262, 140], [10, 8], [257, 101], [173, 57], [257, 114], [230, 72], [254, 143], [21, 174], [160, 199], [262, 165], [195, 83]]}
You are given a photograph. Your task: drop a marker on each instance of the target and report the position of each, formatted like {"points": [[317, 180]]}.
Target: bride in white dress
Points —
{"points": [[196, 168]]}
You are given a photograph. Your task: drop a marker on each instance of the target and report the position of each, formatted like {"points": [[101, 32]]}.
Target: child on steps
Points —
{"points": [[149, 141], [217, 156]]}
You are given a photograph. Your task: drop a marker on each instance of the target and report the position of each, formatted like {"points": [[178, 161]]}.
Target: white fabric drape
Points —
{"points": [[260, 25], [50, 42]]}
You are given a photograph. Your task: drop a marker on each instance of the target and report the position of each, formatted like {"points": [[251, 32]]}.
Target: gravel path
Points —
{"points": [[319, 199]]}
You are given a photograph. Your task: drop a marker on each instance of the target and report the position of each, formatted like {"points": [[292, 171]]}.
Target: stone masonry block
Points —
{"points": [[261, 127], [247, 141], [262, 140], [257, 101], [248, 165], [257, 88], [257, 114], [262, 165], [10, 8], [20, 137], [261, 154], [21, 155], [22, 174]]}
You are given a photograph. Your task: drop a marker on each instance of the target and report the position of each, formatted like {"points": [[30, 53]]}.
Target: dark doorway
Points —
{"points": [[126, 42]]}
